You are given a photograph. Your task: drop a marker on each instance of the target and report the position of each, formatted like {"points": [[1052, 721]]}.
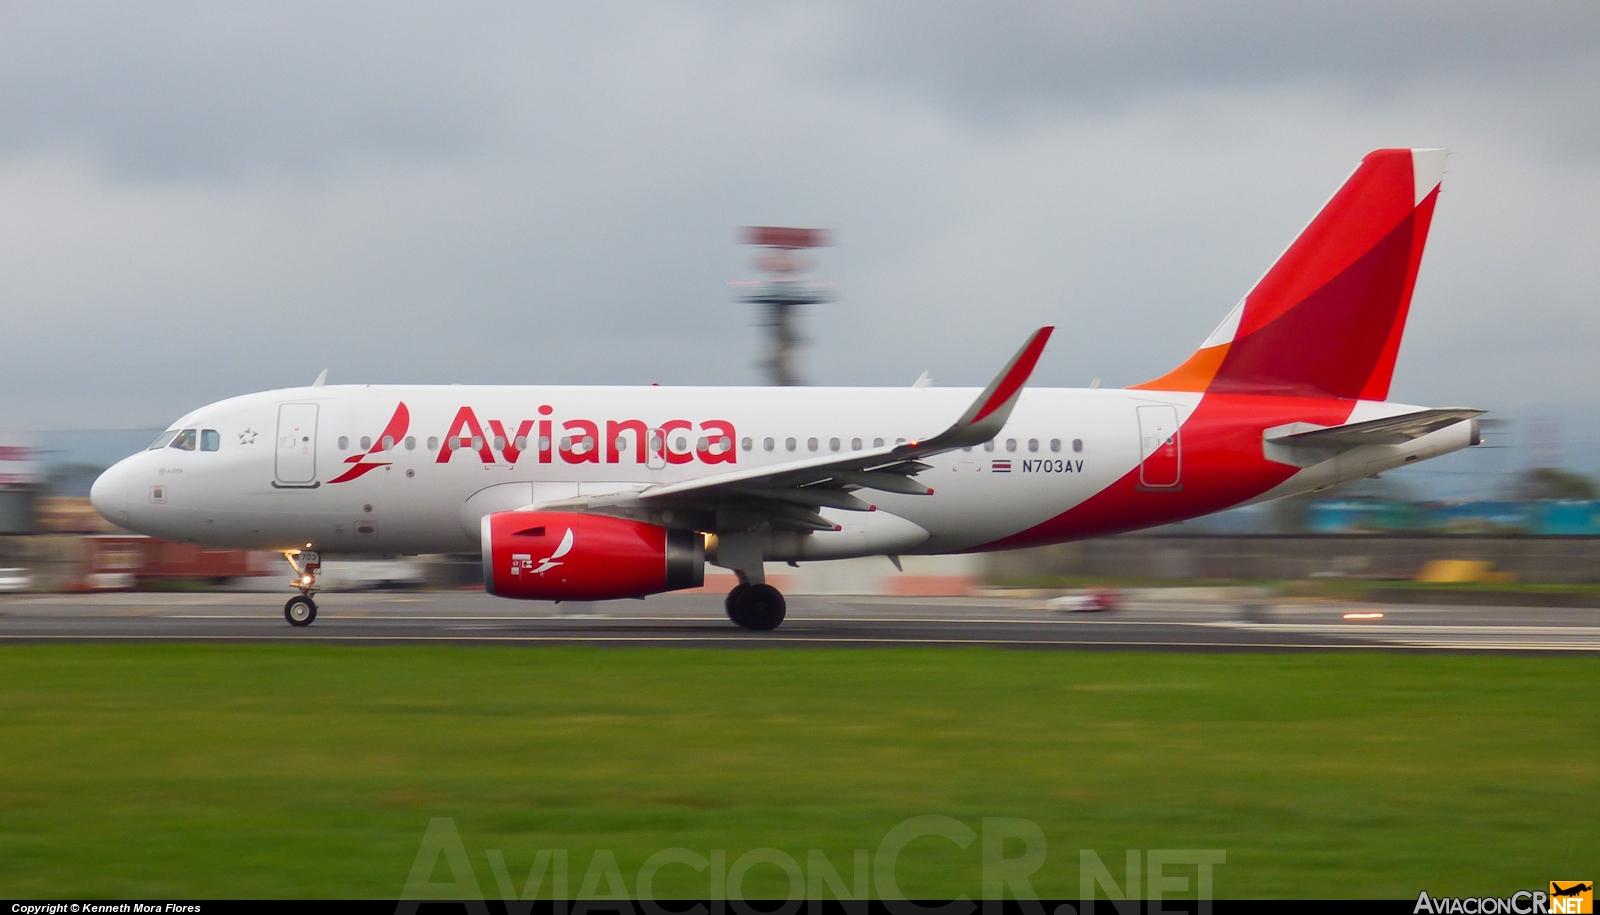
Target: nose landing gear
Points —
{"points": [[302, 610]]}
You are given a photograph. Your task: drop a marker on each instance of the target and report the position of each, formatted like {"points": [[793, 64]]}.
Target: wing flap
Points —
{"points": [[890, 468], [787, 493]]}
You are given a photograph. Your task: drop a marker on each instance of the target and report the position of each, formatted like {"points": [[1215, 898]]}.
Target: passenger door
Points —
{"points": [[296, 458]]}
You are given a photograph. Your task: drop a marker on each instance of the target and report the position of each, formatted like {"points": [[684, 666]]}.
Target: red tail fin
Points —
{"points": [[1326, 320]]}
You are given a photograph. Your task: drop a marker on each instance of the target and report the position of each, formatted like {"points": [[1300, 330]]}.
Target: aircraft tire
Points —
{"points": [[760, 608], [300, 611], [733, 598]]}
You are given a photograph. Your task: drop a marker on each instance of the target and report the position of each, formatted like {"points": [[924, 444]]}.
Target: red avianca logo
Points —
{"points": [[387, 439], [578, 441]]}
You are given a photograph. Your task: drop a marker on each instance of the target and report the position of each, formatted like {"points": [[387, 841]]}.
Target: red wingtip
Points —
{"points": [[930, 492], [1017, 375], [872, 508], [837, 528]]}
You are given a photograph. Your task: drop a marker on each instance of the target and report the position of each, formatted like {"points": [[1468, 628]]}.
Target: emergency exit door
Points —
{"points": [[297, 444], [1160, 448]]}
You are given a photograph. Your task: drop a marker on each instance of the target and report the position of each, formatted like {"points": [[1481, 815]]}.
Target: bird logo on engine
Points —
{"points": [[523, 562]]}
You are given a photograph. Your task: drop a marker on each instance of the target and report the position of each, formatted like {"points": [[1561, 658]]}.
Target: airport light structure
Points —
{"points": [[785, 268]]}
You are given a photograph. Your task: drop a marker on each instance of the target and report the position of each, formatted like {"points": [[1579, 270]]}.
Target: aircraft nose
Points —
{"points": [[109, 494]]}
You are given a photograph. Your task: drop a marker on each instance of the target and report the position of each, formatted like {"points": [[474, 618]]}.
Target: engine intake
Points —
{"points": [[572, 556]]}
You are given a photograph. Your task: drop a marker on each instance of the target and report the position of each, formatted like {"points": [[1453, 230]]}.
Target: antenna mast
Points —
{"points": [[784, 264]]}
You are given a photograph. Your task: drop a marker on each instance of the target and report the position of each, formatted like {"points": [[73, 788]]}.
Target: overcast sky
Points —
{"points": [[201, 200]]}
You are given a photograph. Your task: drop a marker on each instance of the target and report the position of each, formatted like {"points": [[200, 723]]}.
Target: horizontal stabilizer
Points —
{"points": [[1391, 430]]}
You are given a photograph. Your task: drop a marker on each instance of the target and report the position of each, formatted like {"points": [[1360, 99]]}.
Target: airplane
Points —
{"points": [[609, 492]]}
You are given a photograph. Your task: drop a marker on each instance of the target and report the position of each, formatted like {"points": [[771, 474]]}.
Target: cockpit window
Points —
{"points": [[184, 441], [162, 439], [210, 440]]}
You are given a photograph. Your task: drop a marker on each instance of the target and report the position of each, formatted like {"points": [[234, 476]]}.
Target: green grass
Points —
{"points": [[219, 771]]}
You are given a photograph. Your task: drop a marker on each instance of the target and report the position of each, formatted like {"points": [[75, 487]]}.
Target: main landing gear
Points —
{"points": [[302, 610], [760, 607], [752, 604]]}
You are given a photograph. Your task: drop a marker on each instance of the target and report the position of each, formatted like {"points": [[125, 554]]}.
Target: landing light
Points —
{"points": [[305, 579], [1364, 616]]}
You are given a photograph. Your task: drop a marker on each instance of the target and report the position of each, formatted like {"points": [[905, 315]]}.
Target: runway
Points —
{"points": [[697, 620]]}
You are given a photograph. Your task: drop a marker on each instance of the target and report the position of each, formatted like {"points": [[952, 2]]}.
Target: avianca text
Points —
{"points": [[587, 441]]}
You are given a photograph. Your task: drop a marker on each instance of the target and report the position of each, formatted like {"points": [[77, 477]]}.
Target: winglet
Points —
{"points": [[988, 414], [322, 379]]}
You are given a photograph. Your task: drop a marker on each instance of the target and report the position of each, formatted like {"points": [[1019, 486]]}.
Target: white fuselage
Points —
{"points": [[291, 467]]}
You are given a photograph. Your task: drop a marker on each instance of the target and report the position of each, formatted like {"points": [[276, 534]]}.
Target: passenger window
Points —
{"points": [[1033, 444], [746, 444], [855, 444], [433, 443], [411, 443], [811, 443], [499, 443], [210, 440], [1055, 445], [163, 440], [1011, 444], [833, 444], [788, 443], [877, 443], [185, 440], [344, 442], [366, 443], [988, 445], [767, 444], [1077, 444], [388, 443], [901, 441]]}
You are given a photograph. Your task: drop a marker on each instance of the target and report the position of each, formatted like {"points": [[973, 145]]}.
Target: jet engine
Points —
{"points": [[570, 556]]}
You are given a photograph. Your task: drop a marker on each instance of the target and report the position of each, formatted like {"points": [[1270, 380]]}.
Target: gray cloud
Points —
{"points": [[190, 89], [199, 201], [988, 59]]}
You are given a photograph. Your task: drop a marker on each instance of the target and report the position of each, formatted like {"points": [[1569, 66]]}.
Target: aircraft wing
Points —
{"points": [[1391, 430], [789, 494]]}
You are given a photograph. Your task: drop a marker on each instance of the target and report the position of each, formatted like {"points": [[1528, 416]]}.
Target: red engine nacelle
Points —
{"points": [[571, 556]]}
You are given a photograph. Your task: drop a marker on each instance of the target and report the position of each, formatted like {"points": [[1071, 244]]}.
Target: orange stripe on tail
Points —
{"points": [[1327, 319]]}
